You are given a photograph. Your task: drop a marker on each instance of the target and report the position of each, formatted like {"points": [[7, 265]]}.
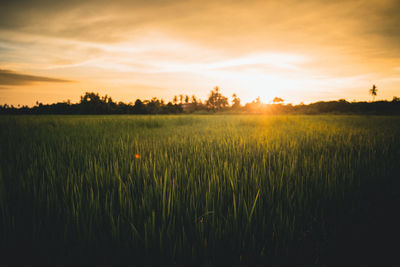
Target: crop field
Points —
{"points": [[205, 190]]}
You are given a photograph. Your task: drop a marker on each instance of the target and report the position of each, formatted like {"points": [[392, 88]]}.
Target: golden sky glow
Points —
{"points": [[297, 50]]}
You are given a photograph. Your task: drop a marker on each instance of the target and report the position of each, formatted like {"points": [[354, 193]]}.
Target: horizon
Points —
{"points": [[200, 101], [302, 52]]}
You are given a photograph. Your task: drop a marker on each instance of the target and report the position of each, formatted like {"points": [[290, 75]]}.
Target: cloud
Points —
{"points": [[110, 21], [8, 77], [198, 44], [353, 29]]}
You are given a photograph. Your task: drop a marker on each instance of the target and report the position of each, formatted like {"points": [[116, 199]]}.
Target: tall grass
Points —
{"points": [[203, 190]]}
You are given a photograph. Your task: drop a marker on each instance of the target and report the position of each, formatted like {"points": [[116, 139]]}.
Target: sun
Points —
{"points": [[264, 75]]}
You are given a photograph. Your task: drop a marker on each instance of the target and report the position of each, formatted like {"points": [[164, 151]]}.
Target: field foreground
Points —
{"points": [[199, 190]]}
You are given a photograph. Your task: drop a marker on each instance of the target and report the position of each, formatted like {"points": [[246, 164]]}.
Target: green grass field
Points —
{"points": [[198, 190]]}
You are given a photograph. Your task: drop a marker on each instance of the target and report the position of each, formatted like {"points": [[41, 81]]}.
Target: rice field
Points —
{"points": [[206, 190]]}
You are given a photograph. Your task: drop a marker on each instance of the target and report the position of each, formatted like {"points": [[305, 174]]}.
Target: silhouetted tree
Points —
{"points": [[277, 100], [187, 99], [92, 103], [373, 91], [194, 100], [235, 102], [139, 107], [154, 106], [216, 101], [194, 103], [255, 106]]}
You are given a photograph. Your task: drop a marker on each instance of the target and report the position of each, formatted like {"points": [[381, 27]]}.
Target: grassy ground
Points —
{"points": [[199, 190]]}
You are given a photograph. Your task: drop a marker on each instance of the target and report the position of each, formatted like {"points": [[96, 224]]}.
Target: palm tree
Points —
{"points": [[373, 91]]}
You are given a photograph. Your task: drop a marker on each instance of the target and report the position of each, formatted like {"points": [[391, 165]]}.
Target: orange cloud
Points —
{"points": [[300, 50]]}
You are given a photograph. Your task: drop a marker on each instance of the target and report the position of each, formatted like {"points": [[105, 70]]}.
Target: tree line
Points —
{"points": [[93, 103]]}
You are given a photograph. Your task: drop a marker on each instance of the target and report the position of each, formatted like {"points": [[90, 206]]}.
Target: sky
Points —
{"points": [[301, 51]]}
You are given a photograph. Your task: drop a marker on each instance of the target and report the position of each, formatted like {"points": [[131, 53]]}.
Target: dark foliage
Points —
{"points": [[93, 103], [331, 107]]}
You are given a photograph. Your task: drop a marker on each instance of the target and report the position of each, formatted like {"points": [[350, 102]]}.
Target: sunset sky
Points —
{"points": [[301, 51]]}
